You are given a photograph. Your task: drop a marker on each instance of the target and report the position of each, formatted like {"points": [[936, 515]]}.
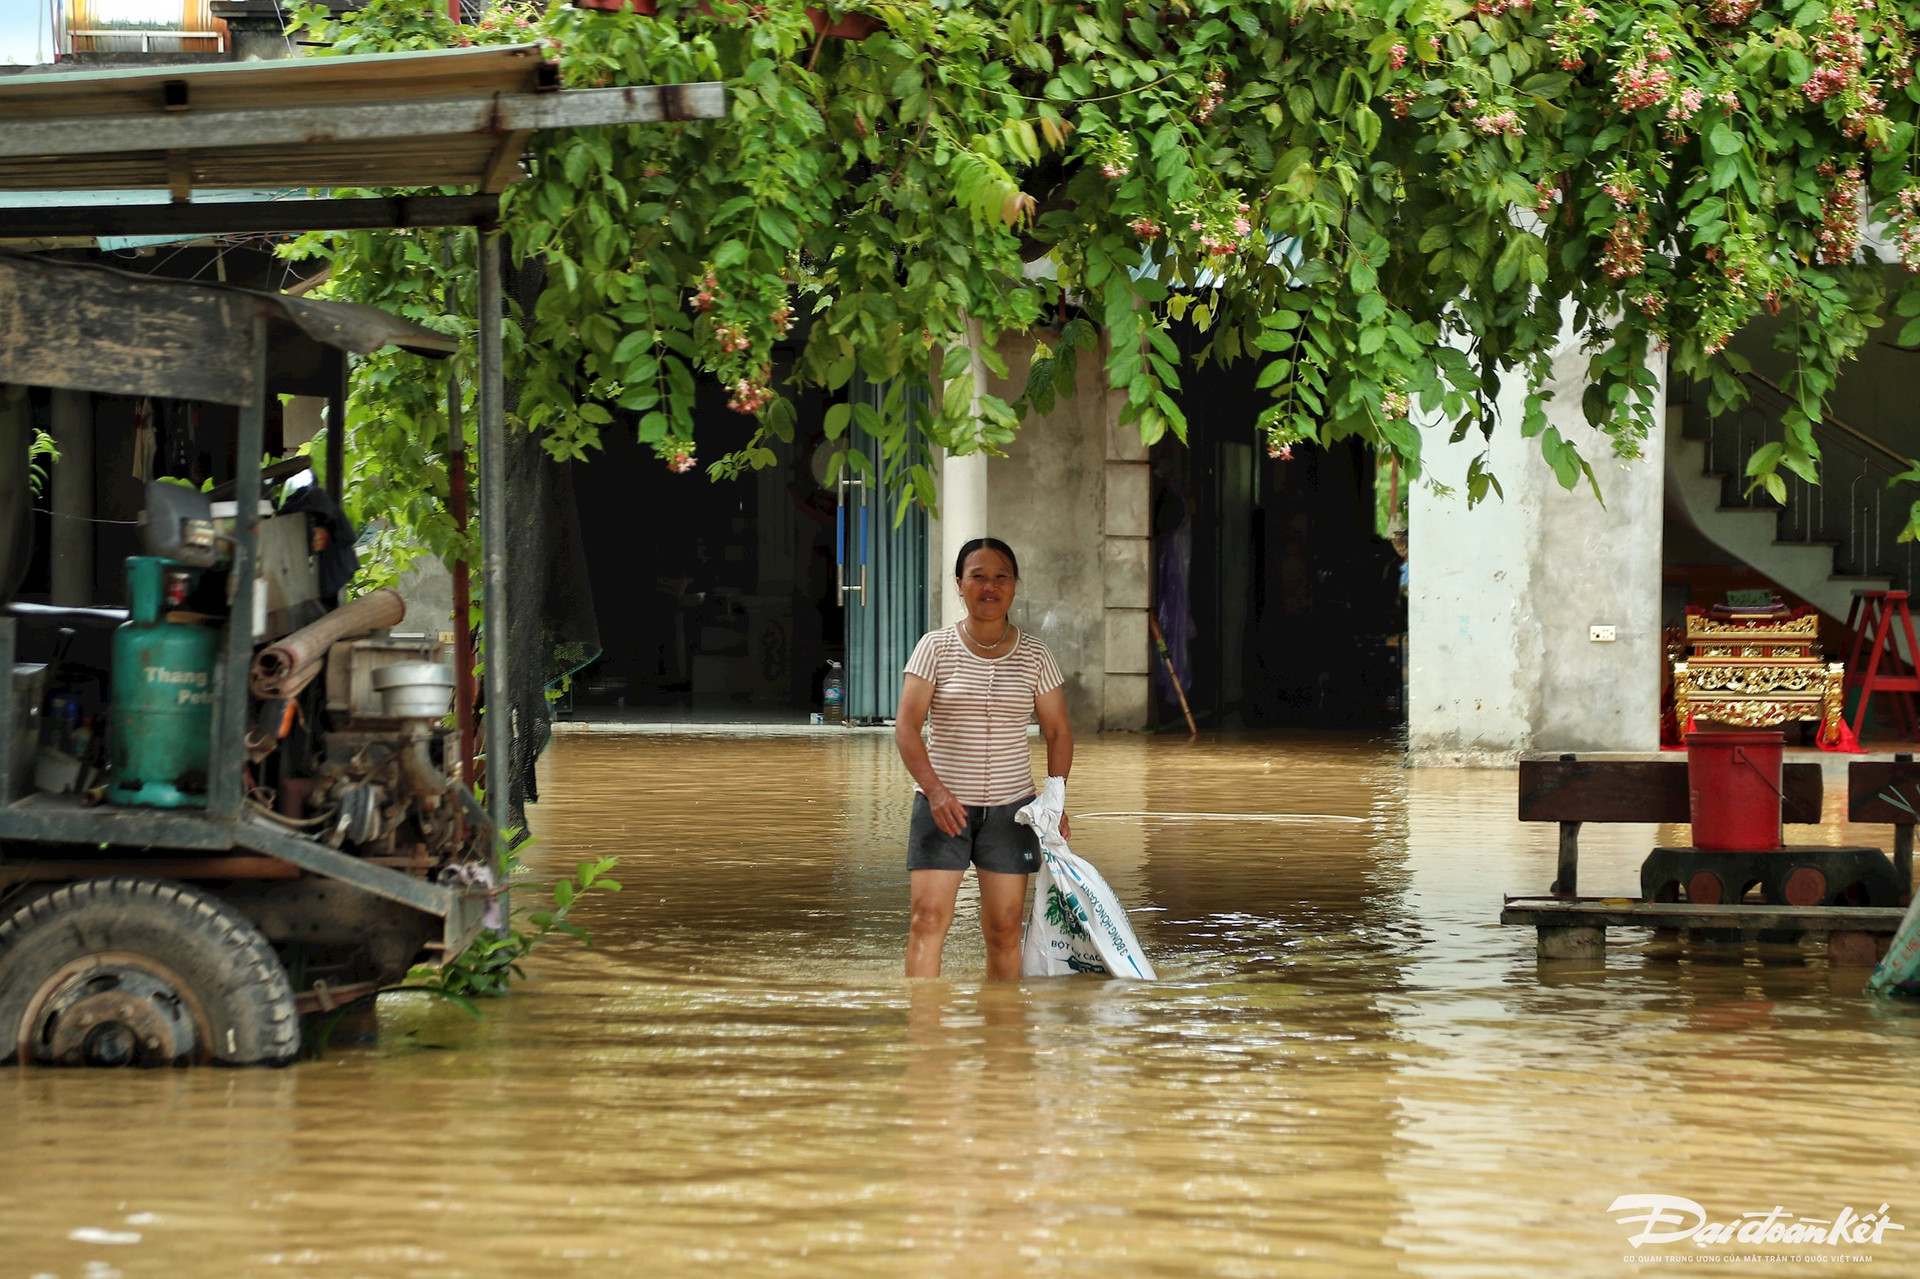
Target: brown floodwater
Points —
{"points": [[1348, 1067]]}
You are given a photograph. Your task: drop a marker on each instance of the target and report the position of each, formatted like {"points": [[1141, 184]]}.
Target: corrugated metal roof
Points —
{"points": [[185, 127]]}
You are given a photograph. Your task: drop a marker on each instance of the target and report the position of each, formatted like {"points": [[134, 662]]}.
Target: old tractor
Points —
{"points": [[230, 800]]}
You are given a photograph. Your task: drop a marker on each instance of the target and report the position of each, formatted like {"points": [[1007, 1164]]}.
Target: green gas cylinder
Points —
{"points": [[162, 698]]}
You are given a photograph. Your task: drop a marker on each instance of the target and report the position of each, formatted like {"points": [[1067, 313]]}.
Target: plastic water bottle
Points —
{"points": [[834, 694]]}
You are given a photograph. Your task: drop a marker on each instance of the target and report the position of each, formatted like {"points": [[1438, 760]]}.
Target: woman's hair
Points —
{"points": [[985, 544]]}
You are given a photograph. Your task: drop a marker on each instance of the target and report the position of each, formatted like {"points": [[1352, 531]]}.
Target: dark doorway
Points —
{"points": [[1271, 573], [712, 597]]}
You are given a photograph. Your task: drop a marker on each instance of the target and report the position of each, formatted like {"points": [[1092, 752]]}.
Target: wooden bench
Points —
{"points": [[1572, 792], [1888, 791]]}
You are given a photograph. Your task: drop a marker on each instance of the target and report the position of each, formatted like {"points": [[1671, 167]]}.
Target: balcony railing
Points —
{"points": [[146, 36]]}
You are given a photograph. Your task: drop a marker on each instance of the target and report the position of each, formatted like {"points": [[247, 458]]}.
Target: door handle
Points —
{"points": [[842, 569]]}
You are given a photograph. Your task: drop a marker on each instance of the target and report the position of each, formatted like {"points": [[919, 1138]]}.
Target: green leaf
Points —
{"points": [[836, 419]]}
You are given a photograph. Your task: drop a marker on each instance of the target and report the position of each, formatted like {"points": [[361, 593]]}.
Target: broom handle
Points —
{"points": [[1160, 643]]}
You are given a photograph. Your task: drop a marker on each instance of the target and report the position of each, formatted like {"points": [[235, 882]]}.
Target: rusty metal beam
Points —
{"points": [[306, 124], [236, 867], [248, 217]]}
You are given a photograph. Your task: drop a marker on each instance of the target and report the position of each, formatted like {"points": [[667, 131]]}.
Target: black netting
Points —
{"points": [[551, 627]]}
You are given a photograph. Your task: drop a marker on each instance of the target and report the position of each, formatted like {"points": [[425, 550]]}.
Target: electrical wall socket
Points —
{"points": [[1601, 634]]}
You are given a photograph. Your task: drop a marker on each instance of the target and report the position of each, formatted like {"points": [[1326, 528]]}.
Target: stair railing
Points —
{"points": [[1867, 540]]}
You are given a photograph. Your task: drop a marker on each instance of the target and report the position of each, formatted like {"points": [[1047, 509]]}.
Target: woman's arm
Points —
{"points": [[915, 697], [1051, 710]]}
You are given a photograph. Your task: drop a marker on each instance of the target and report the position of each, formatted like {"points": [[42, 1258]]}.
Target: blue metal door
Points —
{"points": [[883, 576]]}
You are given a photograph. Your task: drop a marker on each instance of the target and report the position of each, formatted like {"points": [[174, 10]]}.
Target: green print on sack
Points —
{"points": [[1063, 912]]}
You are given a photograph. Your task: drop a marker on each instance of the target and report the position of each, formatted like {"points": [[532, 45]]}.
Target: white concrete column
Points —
{"points": [[71, 499], [963, 517]]}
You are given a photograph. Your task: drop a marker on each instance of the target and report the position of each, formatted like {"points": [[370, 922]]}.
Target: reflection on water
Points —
{"points": [[1350, 1068]]}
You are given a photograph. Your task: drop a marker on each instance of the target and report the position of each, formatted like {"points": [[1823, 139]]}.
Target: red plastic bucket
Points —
{"points": [[1733, 786]]}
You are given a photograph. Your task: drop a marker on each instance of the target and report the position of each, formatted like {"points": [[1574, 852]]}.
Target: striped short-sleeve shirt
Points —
{"points": [[977, 724]]}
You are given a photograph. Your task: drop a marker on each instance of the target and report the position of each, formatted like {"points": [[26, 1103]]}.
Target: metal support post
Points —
{"points": [[1903, 847], [337, 432], [8, 736], [493, 532], [236, 655], [462, 569], [71, 532]]}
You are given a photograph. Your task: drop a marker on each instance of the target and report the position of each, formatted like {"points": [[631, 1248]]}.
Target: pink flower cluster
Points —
{"points": [[1281, 452], [1146, 228], [1731, 13], [708, 294], [731, 340], [1116, 154], [750, 395], [1650, 303], [1570, 37], [1840, 214], [1221, 233], [1212, 96], [1397, 56], [1402, 100], [1906, 224], [1494, 8], [681, 462], [1622, 188], [1840, 75], [1626, 253], [1394, 404], [1547, 192], [1502, 123], [1643, 80]]}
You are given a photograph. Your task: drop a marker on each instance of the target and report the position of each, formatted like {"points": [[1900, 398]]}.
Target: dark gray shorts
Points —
{"points": [[993, 841]]}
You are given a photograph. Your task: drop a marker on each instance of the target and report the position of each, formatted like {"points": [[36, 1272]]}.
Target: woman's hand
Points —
{"points": [[1063, 829], [949, 814]]}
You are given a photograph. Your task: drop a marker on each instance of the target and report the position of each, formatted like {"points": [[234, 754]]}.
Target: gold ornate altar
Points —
{"points": [[1757, 668]]}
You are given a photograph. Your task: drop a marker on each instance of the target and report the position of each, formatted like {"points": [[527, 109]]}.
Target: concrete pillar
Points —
{"points": [[963, 517], [1503, 599], [963, 488], [71, 499]]}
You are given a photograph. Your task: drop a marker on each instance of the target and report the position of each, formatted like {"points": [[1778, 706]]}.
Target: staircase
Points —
{"points": [[1830, 539]]}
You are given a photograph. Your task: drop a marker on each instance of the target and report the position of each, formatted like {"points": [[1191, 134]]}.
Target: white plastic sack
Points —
{"points": [[1077, 924]]}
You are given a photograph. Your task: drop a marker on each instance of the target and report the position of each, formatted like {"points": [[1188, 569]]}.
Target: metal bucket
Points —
{"points": [[415, 690]]}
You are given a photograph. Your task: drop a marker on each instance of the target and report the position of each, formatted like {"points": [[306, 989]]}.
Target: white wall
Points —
{"points": [[1501, 599]]}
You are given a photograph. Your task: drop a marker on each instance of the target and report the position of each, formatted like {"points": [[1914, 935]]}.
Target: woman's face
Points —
{"points": [[987, 584]]}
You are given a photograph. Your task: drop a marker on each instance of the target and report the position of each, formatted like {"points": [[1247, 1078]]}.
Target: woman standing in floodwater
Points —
{"points": [[977, 685]]}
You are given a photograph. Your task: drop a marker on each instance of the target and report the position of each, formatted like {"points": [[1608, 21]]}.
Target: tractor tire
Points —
{"points": [[130, 971]]}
